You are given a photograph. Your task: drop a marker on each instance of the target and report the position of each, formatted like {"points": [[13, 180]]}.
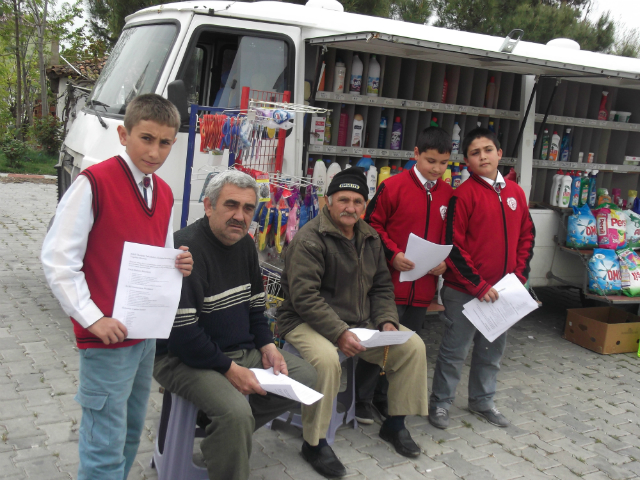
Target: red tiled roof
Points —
{"points": [[88, 68]]}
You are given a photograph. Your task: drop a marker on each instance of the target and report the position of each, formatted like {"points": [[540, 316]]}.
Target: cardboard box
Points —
{"points": [[603, 329]]}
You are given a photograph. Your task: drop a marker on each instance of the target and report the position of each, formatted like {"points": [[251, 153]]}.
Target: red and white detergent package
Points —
{"points": [[611, 226]]}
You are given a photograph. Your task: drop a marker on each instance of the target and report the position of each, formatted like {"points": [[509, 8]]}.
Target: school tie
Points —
{"points": [[497, 188], [146, 183], [428, 185]]}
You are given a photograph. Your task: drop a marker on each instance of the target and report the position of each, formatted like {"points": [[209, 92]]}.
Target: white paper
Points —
{"points": [[148, 292], [373, 338], [425, 255], [493, 319], [286, 386]]}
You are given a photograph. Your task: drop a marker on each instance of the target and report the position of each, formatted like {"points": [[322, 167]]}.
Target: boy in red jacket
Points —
{"points": [[492, 233], [414, 201]]}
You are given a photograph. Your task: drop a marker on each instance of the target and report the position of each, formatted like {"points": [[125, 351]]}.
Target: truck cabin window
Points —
{"points": [[133, 68], [221, 64]]}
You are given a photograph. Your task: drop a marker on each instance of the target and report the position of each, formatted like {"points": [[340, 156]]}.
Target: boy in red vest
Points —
{"points": [[492, 233], [116, 201], [414, 201]]}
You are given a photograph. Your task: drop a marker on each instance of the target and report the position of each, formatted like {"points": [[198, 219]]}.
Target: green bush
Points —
{"points": [[48, 133], [15, 151]]}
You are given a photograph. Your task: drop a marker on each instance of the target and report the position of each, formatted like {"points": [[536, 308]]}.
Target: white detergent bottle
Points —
{"points": [[455, 139], [331, 172], [553, 200], [355, 85], [319, 178], [464, 175], [565, 191], [372, 180], [373, 82]]}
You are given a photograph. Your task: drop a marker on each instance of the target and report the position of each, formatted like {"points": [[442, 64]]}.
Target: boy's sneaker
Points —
{"points": [[493, 416], [364, 413], [439, 417]]}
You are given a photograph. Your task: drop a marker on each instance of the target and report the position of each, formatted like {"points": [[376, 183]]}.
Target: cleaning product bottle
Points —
{"points": [[365, 162], [492, 127], [327, 130], [343, 127], [553, 200], [382, 136], [585, 187], [603, 113], [544, 152], [565, 191], [356, 131], [491, 93], [394, 170], [446, 176], [373, 82], [338, 77], [455, 139], [331, 172], [434, 122], [565, 148], [464, 175], [400, 170], [455, 175], [445, 90], [385, 172], [396, 135], [320, 177], [575, 189], [372, 180], [355, 85], [631, 197], [554, 147]]}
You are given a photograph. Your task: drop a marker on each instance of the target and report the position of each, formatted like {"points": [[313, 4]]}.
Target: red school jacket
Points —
{"points": [[492, 235], [402, 206]]}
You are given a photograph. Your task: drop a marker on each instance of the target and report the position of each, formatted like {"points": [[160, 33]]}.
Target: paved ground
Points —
{"points": [[575, 413]]}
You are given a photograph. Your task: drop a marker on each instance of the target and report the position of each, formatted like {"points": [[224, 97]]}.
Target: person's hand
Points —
{"points": [[244, 380], [389, 327], [490, 296], [402, 264], [439, 270], [184, 262], [109, 330], [349, 344], [271, 357]]}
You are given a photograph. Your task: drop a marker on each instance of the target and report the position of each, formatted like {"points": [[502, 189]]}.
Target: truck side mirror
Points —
{"points": [[177, 94]]}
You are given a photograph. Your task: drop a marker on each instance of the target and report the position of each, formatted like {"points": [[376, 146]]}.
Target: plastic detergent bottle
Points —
{"points": [[565, 148], [434, 122], [592, 189], [553, 200], [373, 82], [355, 84], [320, 177], [575, 189], [332, 170], [356, 130], [343, 127], [585, 183], [372, 180], [396, 135], [544, 152], [338, 77], [464, 175], [455, 138], [491, 93], [365, 162], [327, 130], [394, 170], [445, 90], [603, 113], [565, 191], [492, 127], [554, 147], [455, 175], [382, 136], [385, 172], [446, 176]]}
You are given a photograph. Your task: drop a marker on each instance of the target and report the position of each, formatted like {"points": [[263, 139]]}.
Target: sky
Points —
{"points": [[627, 12]]}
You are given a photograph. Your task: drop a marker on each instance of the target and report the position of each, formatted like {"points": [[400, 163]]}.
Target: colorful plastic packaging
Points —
{"points": [[581, 229], [630, 272], [611, 227], [605, 277], [633, 228]]}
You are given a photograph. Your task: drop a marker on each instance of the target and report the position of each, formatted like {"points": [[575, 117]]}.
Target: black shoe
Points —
{"points": [[364, 414], [439, 417], [323, 461], [401, 440], [382, 407]]}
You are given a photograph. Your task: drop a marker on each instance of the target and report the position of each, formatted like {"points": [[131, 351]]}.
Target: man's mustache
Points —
{"points": [[236, 223], [347, 214]]}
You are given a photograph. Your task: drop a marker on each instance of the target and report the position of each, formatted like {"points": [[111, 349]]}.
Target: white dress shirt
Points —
{"points": [[498, 181], [422, 179], [64, 247]]}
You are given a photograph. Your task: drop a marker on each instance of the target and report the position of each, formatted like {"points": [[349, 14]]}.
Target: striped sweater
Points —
{"points": [[222, 302]]}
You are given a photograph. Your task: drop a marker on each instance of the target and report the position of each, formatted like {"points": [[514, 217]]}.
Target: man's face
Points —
{"points": [[346, 208], [431, 164], [483, 157], [232, 215], [148, 144]]}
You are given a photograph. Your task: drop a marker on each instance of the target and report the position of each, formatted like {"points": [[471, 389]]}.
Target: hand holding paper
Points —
{"points": [[286, 386], [425, 255], [373, 338]]}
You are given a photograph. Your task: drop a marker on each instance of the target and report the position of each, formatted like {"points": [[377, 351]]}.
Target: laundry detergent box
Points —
{"points": [[603, 329]]}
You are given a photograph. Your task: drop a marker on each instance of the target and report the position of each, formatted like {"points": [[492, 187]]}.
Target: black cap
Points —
{"points": [[352, 179]]}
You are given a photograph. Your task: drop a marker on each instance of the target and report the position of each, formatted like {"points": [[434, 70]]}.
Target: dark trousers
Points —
{"points": [[370, 385]]}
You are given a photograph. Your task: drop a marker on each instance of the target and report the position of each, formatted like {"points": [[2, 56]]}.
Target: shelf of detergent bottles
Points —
{"points": [[601, 167], [588, 123], [358, 99]]}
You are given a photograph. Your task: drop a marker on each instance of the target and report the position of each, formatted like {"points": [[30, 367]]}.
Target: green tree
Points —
{"points": [[106, 17]]}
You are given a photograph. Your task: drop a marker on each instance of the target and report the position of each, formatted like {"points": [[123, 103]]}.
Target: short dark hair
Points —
{"points": [[154, 108], [478, 132], [434, 138]]}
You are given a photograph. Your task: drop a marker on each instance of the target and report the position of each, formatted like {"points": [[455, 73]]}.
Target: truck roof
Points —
{"points": [[334, 27]]}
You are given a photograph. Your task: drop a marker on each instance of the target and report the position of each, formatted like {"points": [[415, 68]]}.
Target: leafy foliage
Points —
{"points": [[15, 151], [47, 132]]}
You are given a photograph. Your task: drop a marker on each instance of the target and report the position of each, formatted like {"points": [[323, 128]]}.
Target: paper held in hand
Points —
{"points": [[286, 386], [373, 338], [425, 255], [148, 292], [493, 319]]}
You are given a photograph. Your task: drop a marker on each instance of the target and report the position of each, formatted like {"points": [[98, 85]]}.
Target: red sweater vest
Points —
{"points": [[120, 215], [400, 207]]}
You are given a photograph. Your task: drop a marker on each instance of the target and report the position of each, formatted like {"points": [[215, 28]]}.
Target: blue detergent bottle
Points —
{"points": [[575, 189], [565, 146]]}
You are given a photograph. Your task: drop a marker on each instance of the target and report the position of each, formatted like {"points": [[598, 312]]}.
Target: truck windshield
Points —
{"points": [[133, 67]]}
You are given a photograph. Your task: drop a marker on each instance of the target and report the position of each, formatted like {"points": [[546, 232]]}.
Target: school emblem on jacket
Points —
{"points": [[443, 212], [513, 204]]}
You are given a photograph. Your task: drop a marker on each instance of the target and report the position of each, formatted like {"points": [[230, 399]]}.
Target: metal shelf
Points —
{"points": [[602, 167], [615, 299], [588, 123]]}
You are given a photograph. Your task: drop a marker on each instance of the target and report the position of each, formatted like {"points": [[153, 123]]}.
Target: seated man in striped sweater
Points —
{"points": [[220, 330]]}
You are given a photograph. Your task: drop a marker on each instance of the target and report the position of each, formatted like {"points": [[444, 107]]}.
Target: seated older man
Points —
{"points": [[335, 278], [220, 331]]}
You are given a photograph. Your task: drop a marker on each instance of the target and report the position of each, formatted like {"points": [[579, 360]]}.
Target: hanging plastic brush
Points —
{"points": [[305, 210], [267, 222], [281, 224]]}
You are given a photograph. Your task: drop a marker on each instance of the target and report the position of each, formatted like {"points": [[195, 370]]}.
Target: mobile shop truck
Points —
{"points": [[216, 48]]}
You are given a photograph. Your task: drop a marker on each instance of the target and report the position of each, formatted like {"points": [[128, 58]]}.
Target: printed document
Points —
{"points": [[148, 290], [425, 255], [286, 386], [374, 338], [493, 319]]}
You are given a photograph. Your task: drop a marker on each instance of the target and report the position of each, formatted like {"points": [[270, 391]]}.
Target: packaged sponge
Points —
{"points": [[604, 272], [630, 272], [581, 228]]}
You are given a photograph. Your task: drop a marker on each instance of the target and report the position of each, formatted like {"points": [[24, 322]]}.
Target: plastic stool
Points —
{"points": [[346, 398], [173, 456]]}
